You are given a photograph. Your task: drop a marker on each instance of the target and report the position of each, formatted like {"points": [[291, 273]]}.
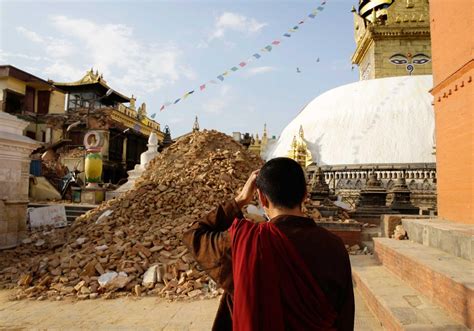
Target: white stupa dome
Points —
{"points": [[386, 120]]}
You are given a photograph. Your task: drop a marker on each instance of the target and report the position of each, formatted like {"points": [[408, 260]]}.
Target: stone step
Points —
{"points": [[453, 238], [394, 303], [445, 279]]}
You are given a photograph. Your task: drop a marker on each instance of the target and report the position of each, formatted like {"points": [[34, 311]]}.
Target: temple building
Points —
{"points": [[255, 144], [371, 125], [91, 104]]}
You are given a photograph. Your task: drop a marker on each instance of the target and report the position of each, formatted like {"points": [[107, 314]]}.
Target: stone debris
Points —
{"points": [[132, 245], [400, 233], [357, 250]]}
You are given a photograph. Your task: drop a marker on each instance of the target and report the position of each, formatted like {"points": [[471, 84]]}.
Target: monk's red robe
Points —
{"points": [[273, 288]]}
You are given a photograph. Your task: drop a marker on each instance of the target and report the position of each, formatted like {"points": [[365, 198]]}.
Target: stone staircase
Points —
{"points": [[72, 210], [426, 283]]}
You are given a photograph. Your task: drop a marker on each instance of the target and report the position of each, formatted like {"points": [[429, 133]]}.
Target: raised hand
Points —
{"points": [[248, 191]]}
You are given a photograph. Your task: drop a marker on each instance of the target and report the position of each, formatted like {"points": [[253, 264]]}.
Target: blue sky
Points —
{"points": [[159, 50]]}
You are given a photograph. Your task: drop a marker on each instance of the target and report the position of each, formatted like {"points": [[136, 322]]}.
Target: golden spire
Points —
{"points": [[301, 133]]}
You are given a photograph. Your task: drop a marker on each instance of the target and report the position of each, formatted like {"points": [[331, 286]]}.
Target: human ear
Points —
{"points": [[262, 198]]}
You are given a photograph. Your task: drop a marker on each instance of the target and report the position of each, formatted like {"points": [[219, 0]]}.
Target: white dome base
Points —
{"points": [[387, 120]]}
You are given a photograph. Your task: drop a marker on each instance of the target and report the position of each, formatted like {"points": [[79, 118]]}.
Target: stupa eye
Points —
{"points": [[421, 59], [398, 59]]}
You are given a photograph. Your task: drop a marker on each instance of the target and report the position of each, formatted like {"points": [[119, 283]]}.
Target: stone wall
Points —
{"points": [[15, 150], [347, 181], [453, 70]]}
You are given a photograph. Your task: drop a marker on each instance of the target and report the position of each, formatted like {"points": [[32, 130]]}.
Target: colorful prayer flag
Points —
{"points": [[153, 116], [187, 94], [249, 60]]}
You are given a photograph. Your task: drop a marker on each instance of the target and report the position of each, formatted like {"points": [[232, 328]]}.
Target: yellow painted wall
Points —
{"points": [[56, 102], [15, 85], [385, 48]]}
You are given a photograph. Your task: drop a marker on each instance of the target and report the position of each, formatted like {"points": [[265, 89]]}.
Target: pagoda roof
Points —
{"points": [[92, 79]]}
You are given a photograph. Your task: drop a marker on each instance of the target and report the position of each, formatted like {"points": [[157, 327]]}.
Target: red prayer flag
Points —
{"points": [[276, 42], [202, 87], [242, 64], [162, 107]]}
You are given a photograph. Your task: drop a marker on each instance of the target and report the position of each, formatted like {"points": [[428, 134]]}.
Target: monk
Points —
{"points": [[284, 274]]}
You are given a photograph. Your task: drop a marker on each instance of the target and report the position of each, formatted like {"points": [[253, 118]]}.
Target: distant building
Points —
{"points": [[91, 104], [254, 144], [31, 98]]}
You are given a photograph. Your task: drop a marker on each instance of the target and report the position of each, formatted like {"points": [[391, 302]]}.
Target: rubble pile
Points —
{"points": [[315, 210], [132, 244], [77, 152]]}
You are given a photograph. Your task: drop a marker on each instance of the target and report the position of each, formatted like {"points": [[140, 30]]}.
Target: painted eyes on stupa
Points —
{"points": [[417, 59], [420, 59], [399, 59]]}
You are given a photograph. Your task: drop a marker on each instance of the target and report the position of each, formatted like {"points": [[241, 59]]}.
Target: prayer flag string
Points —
{"points": [[242, 64]]}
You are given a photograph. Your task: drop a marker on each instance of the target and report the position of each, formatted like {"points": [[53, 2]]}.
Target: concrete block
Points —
{"points": [[453, 238]]}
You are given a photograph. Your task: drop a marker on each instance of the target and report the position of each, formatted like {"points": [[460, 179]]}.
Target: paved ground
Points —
{"points": [[125, 314]]}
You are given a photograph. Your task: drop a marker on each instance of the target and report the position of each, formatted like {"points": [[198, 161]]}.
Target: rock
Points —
{"points": [[149, 278], [102, 248], [107, 277], [25, 280], [137, 290], [118, 282], [40, 243], [27, 241], [79, 286], [81, 240], [354, 248], [400, 233], [194, 293]]}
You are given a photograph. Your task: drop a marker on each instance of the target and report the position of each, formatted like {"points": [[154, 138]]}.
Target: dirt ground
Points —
{"points": [[130, 313]]}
